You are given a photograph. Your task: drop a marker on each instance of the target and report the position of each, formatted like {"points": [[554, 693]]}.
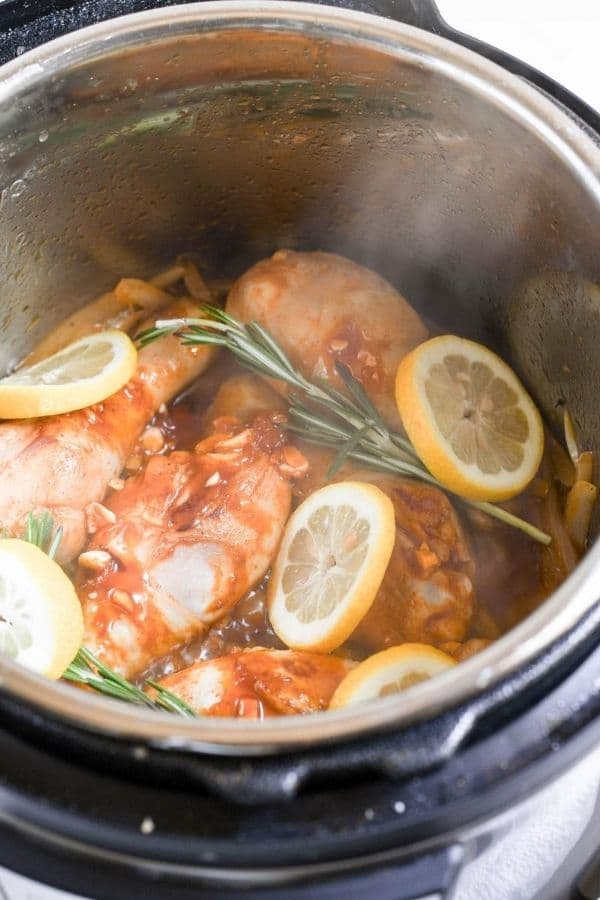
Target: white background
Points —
{"points": [[559, 37]]}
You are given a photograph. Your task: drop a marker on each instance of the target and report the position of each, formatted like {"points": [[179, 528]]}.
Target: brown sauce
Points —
{"points": [[513, 574]]}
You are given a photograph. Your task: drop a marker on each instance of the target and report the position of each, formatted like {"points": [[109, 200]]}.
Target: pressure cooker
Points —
{"points": [[131, 131]]}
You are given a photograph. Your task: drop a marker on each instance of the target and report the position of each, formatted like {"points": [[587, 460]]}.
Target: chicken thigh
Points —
{"points": [[65, 463], [183, 541], [323, 308], [427, 594], [258, 683], [244, 396]]}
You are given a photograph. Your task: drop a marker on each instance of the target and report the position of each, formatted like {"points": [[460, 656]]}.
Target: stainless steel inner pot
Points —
{"points": [[231, 129]]}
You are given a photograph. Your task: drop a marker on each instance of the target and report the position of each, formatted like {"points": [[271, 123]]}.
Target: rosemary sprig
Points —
{"points": [[38, 531], [86, 668], [89, 670], [348, 423]]}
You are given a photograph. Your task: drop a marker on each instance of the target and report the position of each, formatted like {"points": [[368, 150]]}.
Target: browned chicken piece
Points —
{"points": [[463, 651], [65, 463], [427, 594], [183, 541], [244, 396], [257, 683], [323, 308]]}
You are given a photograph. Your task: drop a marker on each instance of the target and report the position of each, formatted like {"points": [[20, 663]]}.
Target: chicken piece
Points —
{"points": [[427, 592], [64, 463], [257, 683], [323, 309], [189, 536], [244, 396]]}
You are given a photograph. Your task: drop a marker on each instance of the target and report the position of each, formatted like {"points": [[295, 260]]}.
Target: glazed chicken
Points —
{"points": [[243, 396], [257, 683], [183, 541], [322, 309], [64, 463], [427, 594]]}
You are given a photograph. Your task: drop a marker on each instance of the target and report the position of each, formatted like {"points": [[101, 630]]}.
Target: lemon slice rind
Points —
{"points": [[42, 621], [86, 372], [423, 423], [315, 602], [390, 671]]}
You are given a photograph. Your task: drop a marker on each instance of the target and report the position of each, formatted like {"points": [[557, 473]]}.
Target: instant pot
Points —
{"points": [[133, 131]]}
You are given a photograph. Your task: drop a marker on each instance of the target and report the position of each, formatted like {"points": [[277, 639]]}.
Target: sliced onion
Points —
{"points": [[169, 276], [121, 308], [578, 512], [139, 294], [562, 466], [570, 438], [585, 466], [195, 283], [561, 550]]}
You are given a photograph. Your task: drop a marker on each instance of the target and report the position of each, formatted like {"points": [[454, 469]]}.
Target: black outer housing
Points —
{"points": [[70, 799], [69, 808]]}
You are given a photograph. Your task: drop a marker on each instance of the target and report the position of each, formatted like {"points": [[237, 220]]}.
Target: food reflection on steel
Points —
{"points": [[470, 648]]}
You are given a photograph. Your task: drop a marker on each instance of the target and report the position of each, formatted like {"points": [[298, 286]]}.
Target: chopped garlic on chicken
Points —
{"points": [[192, 533]]}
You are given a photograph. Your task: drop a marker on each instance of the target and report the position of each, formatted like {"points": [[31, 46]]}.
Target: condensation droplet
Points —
{"points": [[147, 826], [43, 136], [140, 753], [17, 188]]}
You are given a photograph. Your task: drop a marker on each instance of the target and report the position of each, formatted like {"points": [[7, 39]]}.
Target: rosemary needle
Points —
{"points": [[87, 669], [348, 423]]}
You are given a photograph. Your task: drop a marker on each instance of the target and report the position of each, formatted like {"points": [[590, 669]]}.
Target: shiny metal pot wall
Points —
{"points": [[231, 129]]}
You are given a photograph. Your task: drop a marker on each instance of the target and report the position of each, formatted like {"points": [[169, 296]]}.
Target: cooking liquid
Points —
{"points": [[513, 574]]}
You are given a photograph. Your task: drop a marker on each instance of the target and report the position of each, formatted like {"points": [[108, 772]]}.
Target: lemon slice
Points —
{"points": [[390, 672], [41, 623], [332, 559], [469, 418], [84, 373]]}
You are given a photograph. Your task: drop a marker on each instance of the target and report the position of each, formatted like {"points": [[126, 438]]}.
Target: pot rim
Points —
{"points": [[558, 614]]}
